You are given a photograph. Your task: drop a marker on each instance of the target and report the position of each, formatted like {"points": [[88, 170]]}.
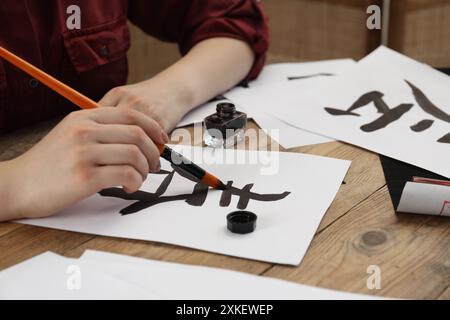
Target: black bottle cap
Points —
{"points": [[241, 222], [225, 109]]}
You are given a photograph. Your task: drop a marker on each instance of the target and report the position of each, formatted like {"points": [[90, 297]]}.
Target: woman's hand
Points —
{"points": [[88, 151], [160, 103], [210, 68]]}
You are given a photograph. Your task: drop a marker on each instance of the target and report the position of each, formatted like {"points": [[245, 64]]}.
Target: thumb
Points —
{"points": [[110, 99]]}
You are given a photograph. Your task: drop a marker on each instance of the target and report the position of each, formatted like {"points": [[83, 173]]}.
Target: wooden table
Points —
{"points": [[359, 230]]}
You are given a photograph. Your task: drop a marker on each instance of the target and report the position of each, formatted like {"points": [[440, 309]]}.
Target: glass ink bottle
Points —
{"points": [[226, 127]]}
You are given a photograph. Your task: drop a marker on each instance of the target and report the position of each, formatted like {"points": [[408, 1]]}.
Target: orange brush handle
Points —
{"points": [[64, 90]]}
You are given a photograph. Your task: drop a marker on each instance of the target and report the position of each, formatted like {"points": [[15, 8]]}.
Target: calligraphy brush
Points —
{"points": [[85, 103]]}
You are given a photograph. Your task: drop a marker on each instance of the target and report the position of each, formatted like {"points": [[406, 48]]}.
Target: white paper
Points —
{"points": [[284, 228], [101, 276], [281, 72], [384, 71], [177, 281], [50, 277], [289, 136], [425, 198], [272, 73]]}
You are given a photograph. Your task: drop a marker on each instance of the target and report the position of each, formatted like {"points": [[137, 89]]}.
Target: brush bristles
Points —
{"points": [[213, 182]]}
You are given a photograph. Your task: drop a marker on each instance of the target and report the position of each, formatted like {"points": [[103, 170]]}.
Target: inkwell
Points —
{"points": [[226, 127]]}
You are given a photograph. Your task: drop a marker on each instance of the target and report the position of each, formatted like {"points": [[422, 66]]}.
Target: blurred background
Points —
{"points": [[307, 30]]}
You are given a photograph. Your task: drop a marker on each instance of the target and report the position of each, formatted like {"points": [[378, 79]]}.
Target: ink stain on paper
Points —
{"points": [[197, 198], [389, 115]]}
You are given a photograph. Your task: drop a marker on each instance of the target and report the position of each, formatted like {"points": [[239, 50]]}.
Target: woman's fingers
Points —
{"points": [[129, 134], [117, 175], [129, 116], [110, 99], [119, 154]]}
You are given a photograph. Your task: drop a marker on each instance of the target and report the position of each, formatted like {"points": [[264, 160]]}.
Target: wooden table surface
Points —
{"points": [[360, 229]]}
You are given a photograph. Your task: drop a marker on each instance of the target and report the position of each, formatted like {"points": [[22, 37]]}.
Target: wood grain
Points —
{"points": [[28, 241], [6, 228]]}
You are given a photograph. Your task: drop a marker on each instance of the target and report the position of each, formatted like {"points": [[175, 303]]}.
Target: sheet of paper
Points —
{"points": [[101, 276], [52, 277], [287, 135], [301, 74], [297, 71], [177, 281], [424, 198], [386, 103], [289, 192], [273, 73]]}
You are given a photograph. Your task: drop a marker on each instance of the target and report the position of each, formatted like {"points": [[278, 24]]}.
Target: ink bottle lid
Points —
{"points": [[241, 222], [226, 127]]}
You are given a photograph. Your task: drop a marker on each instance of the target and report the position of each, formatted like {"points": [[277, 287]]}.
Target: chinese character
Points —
{"points": [[389, 115], [197, 198]]}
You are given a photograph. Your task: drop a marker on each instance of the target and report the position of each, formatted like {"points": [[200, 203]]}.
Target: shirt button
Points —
{"points": [[33, 83], [104, 51]]}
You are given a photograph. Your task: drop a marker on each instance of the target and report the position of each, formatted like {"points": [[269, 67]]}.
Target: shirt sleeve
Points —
{"points": [[187, 22]]}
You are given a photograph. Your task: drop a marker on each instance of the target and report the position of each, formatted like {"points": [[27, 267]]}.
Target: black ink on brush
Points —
{"points": [[197, 198], [391, 115], [185, 167]]}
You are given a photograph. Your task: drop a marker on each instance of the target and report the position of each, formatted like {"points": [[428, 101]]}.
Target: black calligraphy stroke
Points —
{"points": [[374, 96], [430, 108], [445, 139], [245, 195], [246, 84], [427, 105], [388, 115], [322, 74], [391, 115], [422, 125], [387, 118], [197, 198]]}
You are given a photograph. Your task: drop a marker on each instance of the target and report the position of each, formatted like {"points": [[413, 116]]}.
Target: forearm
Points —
{"points": [[210, 68], [8, 209]]}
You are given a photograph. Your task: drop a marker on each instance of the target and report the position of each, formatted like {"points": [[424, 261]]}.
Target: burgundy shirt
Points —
{"points": [[93, 59]]}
